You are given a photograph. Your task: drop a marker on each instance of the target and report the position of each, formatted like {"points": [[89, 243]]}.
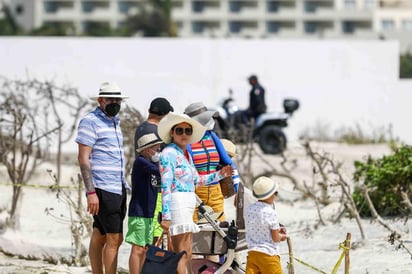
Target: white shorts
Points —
{"points": [[182, 207]]}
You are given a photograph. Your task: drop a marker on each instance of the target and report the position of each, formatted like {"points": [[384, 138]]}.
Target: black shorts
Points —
{"points": [[112, 211]]}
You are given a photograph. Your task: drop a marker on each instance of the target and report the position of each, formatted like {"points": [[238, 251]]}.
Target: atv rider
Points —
{"points": [[257, 103]]}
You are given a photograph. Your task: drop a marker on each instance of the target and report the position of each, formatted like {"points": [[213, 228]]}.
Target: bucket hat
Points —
{"points": [[215, 215], [109, 90], [146, 141], [172, 119], [160, 106], [229, 147], [199, 112], [264, 187]]}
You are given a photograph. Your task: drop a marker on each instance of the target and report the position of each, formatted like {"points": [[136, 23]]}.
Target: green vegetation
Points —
{"points": [[8, 25], [152, 19], [356, 135], [386, 178], [405, 66]]}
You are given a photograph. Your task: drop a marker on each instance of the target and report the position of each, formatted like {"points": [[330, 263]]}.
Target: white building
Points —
{"points": [[237, 18]]}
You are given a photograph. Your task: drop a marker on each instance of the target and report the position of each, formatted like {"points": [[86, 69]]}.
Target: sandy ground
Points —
{"points": [[316, 246]]}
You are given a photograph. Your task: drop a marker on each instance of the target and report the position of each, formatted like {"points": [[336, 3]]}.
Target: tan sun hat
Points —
{"points": [[229, 147], [109, 90], [172, 119], [146, 141], [215, 215], [264, 187]]}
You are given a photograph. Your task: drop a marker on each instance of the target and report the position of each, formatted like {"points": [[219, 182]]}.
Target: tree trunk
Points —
{"points": [[59, 158], [14, 218]]}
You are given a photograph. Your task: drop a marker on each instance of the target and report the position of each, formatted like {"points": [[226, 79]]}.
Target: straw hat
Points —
{"points": [[199, 112], [264, 187], [215, 216], [146, 141], [229, 147], [172, 119], [109, 90]]}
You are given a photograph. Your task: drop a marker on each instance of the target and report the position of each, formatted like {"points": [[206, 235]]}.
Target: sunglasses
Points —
{"points": [[180, 130], [276, 193]]}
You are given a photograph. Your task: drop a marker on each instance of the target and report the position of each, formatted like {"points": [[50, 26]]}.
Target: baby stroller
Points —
{"points": [[215, 240]]}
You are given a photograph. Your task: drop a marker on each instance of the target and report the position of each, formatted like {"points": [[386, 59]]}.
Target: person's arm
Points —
{"points": [[167, 169], [84, 154], [277, 232], [278, 235], [207, 179], [225, 159]]}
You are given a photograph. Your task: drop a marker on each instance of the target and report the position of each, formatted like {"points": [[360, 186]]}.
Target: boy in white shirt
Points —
{"points": [[263, 231]]}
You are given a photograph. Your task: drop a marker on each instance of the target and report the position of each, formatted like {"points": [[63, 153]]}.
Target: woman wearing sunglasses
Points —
{"points": [[178, 180]]}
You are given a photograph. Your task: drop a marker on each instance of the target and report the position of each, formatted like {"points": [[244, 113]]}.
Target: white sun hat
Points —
{"points": [[264, 187], [109, 90], [172, 119]]}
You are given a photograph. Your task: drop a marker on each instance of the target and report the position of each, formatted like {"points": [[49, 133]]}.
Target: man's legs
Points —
{"points": [[97, 242], [104, 248], [110, 252]]}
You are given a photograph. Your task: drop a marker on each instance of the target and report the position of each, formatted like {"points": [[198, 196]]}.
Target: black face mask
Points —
{"points": [[112, 109]]}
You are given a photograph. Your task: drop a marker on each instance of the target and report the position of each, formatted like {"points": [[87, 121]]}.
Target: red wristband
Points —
{"points": [[91, 192]]}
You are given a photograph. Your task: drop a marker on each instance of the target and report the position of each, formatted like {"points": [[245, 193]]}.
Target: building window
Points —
{"points": [[272, 6], [310, 7], [272, 27], [235, 6], [311, 27], [235, 27], [348, 27], [198, 6], [197, 27], [87, 7], [407, 24], [370, 4], [387, 25], [349, 4], [50, 7], [124, 7]]}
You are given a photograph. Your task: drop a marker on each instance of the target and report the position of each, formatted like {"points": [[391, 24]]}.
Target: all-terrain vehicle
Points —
{"points": [[266, 130]]}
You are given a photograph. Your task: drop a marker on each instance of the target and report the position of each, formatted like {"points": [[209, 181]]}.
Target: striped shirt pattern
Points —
{"points": [[221, 153], [104, 136], [205, 155]]}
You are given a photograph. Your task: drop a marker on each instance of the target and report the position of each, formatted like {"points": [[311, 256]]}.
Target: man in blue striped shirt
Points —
{"points": [[102, 165]]}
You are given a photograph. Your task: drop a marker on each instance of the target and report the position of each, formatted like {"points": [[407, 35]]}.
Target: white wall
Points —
{"points": [[337, 82]]}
